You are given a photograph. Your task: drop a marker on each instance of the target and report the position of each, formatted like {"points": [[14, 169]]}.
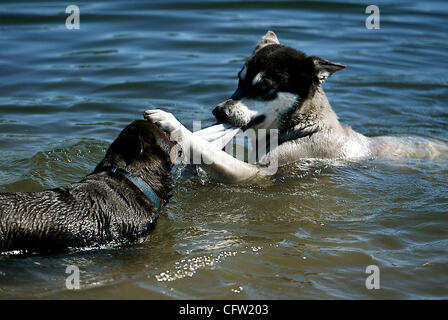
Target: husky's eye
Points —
{"points": [[265, 89]]}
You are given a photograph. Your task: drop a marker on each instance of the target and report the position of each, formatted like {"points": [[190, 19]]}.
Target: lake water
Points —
{"points": [[310, 231]]}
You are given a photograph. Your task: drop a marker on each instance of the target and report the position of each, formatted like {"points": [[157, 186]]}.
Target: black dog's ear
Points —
{"points": [[128, 145], [162, 143], [121, 152], [325, 68], [267, 39]]}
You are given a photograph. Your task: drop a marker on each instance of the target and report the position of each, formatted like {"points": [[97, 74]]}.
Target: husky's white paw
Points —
{"points": [[164, 120]]}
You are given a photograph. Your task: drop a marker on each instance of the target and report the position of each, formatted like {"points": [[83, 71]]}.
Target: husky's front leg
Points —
{"points": [[215, 162]]}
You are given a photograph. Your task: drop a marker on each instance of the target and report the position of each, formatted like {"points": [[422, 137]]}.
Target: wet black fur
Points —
{"points": [[285, 70], [103, 208]]}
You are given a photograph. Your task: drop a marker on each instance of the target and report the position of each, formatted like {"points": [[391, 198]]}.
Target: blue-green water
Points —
{"points": [[309, 232]]}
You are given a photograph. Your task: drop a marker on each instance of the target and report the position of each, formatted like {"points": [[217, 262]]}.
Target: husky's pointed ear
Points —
{"points": [[267, 39], [325, 68]]}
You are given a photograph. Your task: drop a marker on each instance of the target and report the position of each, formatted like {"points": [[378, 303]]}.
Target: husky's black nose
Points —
{"points": [[220, 114]]}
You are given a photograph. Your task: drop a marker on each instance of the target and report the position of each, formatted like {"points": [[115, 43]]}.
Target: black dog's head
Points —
{"points": [[143, 150], [274, 80]]}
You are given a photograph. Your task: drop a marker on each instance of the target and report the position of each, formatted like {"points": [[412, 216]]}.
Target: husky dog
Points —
{"points": [[281, 88]]}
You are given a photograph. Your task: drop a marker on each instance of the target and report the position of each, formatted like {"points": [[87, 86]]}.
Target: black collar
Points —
{"points": [[140, 184]]}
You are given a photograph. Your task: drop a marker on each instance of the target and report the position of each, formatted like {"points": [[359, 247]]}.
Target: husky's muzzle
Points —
{"points": [[233, 111]]}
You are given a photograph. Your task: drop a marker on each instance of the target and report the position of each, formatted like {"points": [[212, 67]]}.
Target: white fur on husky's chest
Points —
{"points": [[272, 109]]}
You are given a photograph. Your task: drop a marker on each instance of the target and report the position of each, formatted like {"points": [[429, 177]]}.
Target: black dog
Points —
{"points": [[117, 204]]}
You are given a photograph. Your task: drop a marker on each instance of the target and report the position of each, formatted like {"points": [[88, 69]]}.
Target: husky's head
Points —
{"points": [[274, 82]]}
